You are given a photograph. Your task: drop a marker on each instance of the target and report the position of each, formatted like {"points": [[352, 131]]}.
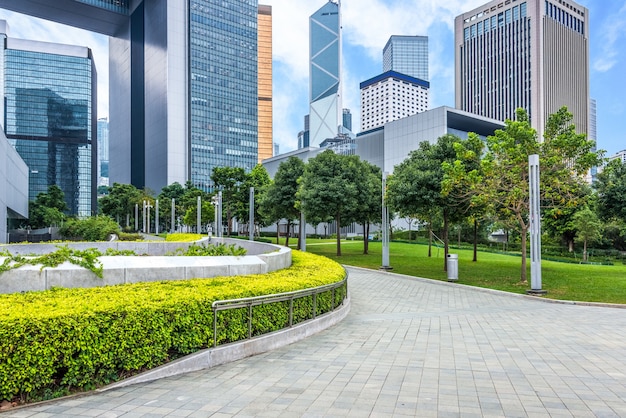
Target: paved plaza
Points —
{"points": [[408, 348]]}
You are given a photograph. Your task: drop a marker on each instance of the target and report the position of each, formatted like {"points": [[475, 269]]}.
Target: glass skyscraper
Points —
{"points": [[48, 116], [407, 55], [325, 113], [187, 79], [103, 152]]}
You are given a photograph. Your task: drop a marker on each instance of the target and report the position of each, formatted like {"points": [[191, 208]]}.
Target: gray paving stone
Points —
{"points": [[409, 347]]}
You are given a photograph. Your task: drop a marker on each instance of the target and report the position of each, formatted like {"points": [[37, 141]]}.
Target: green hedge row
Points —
{"points": [[65, 340]]}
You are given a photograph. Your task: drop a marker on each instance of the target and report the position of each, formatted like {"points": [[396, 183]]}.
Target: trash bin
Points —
{"points": [[453, 267]]}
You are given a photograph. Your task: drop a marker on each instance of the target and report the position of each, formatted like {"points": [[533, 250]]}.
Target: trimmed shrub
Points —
{"points": [[65, 340], [95, 228]]}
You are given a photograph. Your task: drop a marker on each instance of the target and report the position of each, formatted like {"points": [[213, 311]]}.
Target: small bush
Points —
{"points": [[180, 237], [209, 250], [95, 228], [128, 236]]}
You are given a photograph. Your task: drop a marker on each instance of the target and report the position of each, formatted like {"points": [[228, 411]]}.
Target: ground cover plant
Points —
{"points": [[564, 281], [56, 342]]}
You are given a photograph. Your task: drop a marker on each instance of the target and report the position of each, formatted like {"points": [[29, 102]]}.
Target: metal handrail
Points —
{"points": [[223, 305]]}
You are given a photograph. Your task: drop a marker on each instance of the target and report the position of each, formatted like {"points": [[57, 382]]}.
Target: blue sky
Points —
{"points": [[367, 25]]}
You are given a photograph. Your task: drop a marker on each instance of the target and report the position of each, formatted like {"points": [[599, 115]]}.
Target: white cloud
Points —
{"points": [[613, 37]]}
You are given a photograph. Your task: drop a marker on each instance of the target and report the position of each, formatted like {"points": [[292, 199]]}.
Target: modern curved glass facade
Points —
{"points": [[48, 118], [325, 114]]}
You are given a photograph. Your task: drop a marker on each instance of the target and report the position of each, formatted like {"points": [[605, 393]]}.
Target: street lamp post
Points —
{"points": [[535, 226], [251, 217], [156, 217], [385, 226]]}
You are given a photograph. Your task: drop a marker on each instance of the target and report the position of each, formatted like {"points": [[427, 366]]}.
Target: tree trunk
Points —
{"points": [[287, 238], [524, 233], [585, 250], [430, 240], [278, 233], [475, 241], [445, 241], [570, 245], [338, 219]]}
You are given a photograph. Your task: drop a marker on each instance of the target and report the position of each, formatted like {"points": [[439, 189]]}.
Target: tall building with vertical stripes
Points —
{"points": [[532, 54], [266, 148]]}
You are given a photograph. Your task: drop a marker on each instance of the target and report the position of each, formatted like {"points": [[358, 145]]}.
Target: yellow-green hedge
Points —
{"points": [[182, 237], [61, 340]]}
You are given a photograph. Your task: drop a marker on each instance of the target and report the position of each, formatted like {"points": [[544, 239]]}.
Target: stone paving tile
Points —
{"points": [[409, 347]]}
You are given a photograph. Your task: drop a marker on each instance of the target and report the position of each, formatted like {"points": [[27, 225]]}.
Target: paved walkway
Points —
{"points": [[409, 347]]}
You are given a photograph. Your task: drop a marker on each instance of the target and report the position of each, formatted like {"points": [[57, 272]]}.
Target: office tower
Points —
{"points": [[347, 119], [532, 54], [325, 73], [391, 96], [265, 82], [183, 83], [49, 113], [103, 152], [407, 55]]}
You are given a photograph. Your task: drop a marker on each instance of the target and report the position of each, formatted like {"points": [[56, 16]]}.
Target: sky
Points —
{"points": [[367, 25]]}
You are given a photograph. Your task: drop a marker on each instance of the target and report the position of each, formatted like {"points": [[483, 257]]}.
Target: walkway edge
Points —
{"points": [[500, 292], [212, 357]]}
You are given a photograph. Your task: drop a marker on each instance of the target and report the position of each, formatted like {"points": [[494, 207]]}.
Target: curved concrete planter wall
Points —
{"points": [[262, 258]]}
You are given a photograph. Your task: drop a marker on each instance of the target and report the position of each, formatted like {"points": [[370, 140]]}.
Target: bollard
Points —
{"points": [[453, 267]]}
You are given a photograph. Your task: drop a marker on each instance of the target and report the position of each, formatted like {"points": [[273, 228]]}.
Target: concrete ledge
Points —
{"points": [[134, 269], [212, 357]]}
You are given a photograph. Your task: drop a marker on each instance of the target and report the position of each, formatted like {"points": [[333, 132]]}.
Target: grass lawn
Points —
{"points": [[579, 282]]}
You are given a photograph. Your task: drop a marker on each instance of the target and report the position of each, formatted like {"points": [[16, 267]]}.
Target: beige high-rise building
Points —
{"points": [[532, 54], [266, 148]]}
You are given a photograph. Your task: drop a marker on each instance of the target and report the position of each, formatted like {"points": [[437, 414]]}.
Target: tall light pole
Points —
{"points": [[156, 217], [535, 226], [136, 217], [251, 216], [172, 226], [199, 215], [385, 226]]}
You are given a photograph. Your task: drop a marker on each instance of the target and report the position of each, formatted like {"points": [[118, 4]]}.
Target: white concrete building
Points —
{"points": [[13, 188], [391, 96]]}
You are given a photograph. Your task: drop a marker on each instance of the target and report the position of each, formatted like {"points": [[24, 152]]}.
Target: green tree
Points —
{"points": [[48, 209], [173, 191], [611, 189], [416, 186], [230, 181], [260, 180], [280, 202], [588, 228], [459, 176], [329, 188], [207, 214], [565, 157], [120, 202], [369, 205]]}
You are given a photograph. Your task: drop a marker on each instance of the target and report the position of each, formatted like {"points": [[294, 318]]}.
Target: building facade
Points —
{"points": [[184, 83], [532, 54], [13, 189], [391, 96], [49, 113], [407, 55], [265, 83], [325, 111], [103, 152]]}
